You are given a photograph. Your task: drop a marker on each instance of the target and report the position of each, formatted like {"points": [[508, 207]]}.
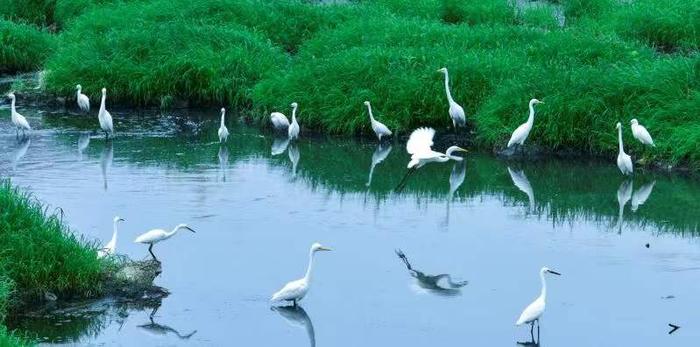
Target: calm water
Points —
{"points": [[490, 222]]}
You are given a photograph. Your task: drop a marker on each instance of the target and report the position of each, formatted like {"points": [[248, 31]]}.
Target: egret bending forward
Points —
{"points": [[154, 236], [534, 311], [379, 128], [18, 120], [640, 133], [111, 247], [296, 290], [624, 161], [82, 99], [223, 131], [456, 111], [104, 117], [293, 130], [521, 133], [279, 121]]}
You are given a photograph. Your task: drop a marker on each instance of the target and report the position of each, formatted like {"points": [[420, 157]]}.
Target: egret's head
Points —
{"points": [[104, 91], [184, 226], [78, 87], [535, 102], [634, 121], [295, 105], [618, 125], [548, 270], [366, 103], [11, 95], [318, 247], [118, 219], [223, 110], [443, 70]]}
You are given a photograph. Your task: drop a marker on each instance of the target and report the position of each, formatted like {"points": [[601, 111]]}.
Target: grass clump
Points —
{"points": [[23, 47], [540, 17], [37, 12], [474, 12]]}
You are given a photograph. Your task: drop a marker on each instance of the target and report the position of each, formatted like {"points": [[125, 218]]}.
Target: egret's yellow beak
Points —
{"points": [[541, 102], [462, 149]]}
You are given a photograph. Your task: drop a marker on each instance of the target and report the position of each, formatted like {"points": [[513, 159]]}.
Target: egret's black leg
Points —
{"points": [[401, 185], [150, 250], [532, 327], [538, 332]]}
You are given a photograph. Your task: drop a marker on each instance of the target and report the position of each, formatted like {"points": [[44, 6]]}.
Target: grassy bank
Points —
{"points": [[39, 254], [23, 47]]}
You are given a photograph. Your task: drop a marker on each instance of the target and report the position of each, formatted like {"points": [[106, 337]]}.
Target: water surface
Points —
{"points": [[258, 203]]}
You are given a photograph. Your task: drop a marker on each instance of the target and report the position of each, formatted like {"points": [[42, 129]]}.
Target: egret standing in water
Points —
{"points": [[82, 99], [456, 111], [223, 131], [534, 311], [293, 130], [104, 117], [296, 290], [624, 161], [154, 236], [18, 120], [521, 133], [379, 128], [111, 247], [640, 133]]}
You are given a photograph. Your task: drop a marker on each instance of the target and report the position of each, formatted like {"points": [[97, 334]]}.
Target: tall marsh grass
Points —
{"points": [[23, 47]]}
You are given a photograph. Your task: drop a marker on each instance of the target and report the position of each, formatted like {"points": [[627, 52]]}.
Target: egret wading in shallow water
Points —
{"points": [[379, 128], [293, 130], [223, 131], [456, 111], [296, 290], [534, 311], [82, 99], [18, 120], [111, 247], [154, 236], [104, 117], [419, 147], [624, 161], [640, 133], [521, 133], [279, 121]]}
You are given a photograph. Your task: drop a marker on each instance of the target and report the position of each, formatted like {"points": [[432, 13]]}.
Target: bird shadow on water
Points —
{"points": [[297, 317], [441, 284], [106, 158], [160, 329]]}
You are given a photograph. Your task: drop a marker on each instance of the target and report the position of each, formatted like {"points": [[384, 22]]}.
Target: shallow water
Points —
{"points": [[492, 223]]}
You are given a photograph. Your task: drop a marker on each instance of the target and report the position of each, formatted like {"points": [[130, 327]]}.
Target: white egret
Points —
{"points": [[641, 195], [18, 120], [82, 99], [293, 129], [104, 117], [624, 161], [456, 111], [378, 156], [522, 183], [640, 133], [379, 128], [521, 133], [223, 131], [279, 121], [624, 194], [534, 311], [111, 247], [154, 236], [296, 290]]}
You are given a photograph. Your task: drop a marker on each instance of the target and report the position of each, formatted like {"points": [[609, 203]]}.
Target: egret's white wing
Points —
{"points": [[84, 102], [279, 120], [22, 122], [641, 134], [457, 114], [108, 122], [293, 290], [420, 141], [641, 195], [150, 236], [380, 129], [223, 134], [519, 135], [624, 162], [531, 312]]}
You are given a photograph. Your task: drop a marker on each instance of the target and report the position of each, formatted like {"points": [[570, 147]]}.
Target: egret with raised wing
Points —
{"points": [[296, 290]]}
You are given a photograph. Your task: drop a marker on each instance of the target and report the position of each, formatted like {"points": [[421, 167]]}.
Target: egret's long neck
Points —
{"points": [[531, 117], [369, 109], [114, 234], [78, 93], [222, 118], [171, 233], [307, 277], [12, 108], [619, 138], [543, 294], [294, 114], [447, 88], [102, 104]]}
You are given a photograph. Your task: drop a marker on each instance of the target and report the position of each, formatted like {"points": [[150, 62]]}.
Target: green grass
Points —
{"points": [[37, 12], [23, 47], [477, 12]]}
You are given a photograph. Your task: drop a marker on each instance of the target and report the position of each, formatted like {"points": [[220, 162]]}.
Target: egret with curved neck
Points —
{"points": [[624, 161], [154, 236], [82, 99], [419, 146], [18, 120], [223, 131], [378, 127], [534, 311], [293, 130], [104, 117], [456, 111], [111, 246], [296, 290], [521, 133]]}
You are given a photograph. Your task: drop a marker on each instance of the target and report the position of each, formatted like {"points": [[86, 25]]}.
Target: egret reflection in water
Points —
{"points": [[297, 317], [157, 329], [83, 143], [641, 195], [20, 151], [382, 151], [522, 183], [293, 152], [223, 161], [106, 158], [441, 284], [279, 145], [624, 194]]}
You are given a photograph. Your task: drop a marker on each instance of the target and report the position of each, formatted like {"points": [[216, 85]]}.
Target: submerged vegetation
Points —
{"points": [[593, 62]]}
